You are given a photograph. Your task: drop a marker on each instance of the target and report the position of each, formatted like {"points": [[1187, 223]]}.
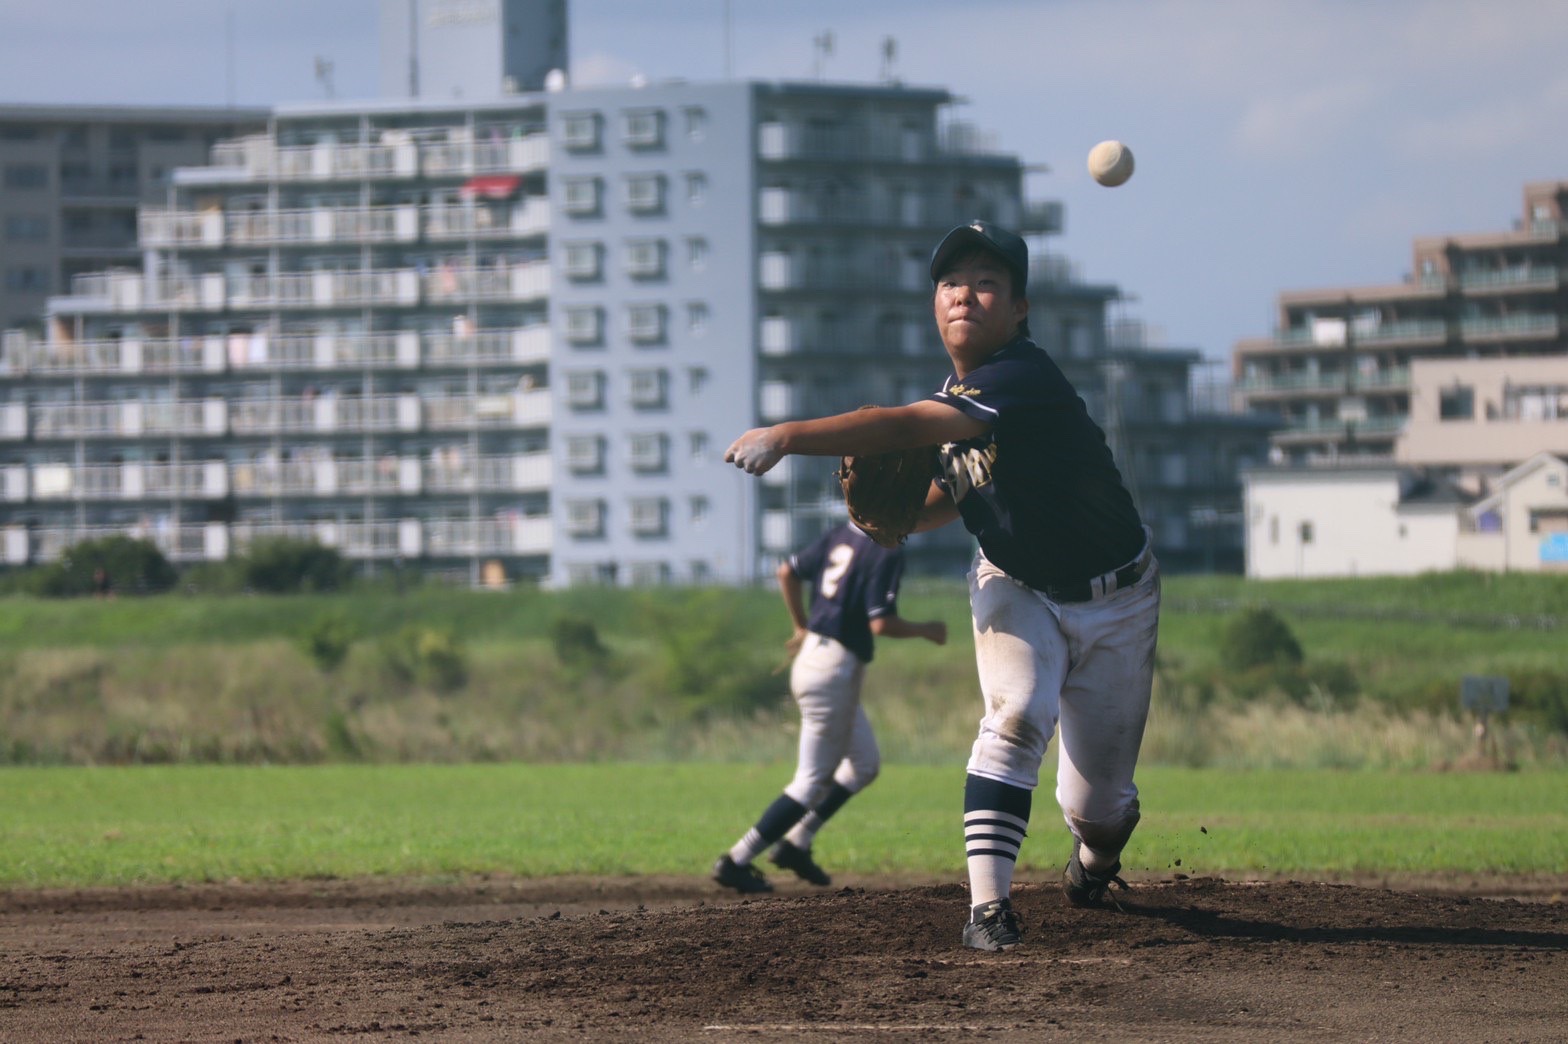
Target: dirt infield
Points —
{"points": [[675, 959]]}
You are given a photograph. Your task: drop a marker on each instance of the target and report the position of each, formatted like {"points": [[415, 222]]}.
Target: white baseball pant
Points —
{"points": [[836, 741], [1087, 665]]}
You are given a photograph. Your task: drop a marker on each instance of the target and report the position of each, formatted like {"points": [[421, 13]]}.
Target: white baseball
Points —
{"points": [[1110, 163]]}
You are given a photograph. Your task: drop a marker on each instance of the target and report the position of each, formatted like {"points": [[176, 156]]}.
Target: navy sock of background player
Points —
{"points": [[1064, 591], [853, 586]]}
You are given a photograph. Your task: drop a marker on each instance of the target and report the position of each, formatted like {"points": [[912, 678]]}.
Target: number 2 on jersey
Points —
{"points": [[838, 564]]}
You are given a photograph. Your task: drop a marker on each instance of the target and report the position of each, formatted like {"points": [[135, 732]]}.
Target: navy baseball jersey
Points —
{"points": [[1040, 490], [853, 580]]}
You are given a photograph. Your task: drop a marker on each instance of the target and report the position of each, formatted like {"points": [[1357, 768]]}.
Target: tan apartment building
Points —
{"points": [[1337, 369], [1481, 417]]}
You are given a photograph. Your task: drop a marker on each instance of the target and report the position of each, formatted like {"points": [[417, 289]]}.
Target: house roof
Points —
{"points": [[1516, 475]]}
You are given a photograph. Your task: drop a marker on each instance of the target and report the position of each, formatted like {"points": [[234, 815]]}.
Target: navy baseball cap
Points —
{"points": [[984, 236]]}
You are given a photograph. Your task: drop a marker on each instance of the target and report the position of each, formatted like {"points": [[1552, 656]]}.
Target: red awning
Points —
{"points": [[493, 186]]}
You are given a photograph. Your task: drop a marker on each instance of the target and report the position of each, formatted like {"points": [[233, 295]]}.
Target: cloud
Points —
{"points": [[1301, 122], [1510, 124]]}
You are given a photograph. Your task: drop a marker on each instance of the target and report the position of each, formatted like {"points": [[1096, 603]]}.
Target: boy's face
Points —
{"points": [[976, 312]]}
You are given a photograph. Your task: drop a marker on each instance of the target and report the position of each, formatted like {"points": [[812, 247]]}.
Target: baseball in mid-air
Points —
{"points": [[1110, 163]]}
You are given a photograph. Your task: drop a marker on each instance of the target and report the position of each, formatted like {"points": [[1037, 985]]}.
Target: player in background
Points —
{"points": [[1065, 589], [853, 583]]}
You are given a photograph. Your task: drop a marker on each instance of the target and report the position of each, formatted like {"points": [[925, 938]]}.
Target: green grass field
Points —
{"points": [[80, 827]]}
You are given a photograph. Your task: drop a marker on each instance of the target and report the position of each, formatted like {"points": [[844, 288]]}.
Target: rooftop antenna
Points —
{"points": [[413, 48], [228, 48], [729, 44], [324, 76], [822, 44], [889, 59]]}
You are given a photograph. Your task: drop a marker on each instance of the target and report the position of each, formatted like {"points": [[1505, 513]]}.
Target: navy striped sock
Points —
{"points": [[996, 819]]}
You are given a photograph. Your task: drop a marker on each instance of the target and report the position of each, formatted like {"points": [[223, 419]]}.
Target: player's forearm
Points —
{"points": [[938, 512], [845, 434]]}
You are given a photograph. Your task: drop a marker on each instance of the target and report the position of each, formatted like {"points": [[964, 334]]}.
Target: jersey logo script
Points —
{"points": [[964, 390], [969, 468]]}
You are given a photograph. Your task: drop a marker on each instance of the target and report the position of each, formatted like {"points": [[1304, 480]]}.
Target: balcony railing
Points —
{"points": [[1528, 326], [1336, 427], [212, 229], [213, 291], [260, 158], [1523, 277], [1400, 332], [1286, 383], [22, 354], [345, 414]]}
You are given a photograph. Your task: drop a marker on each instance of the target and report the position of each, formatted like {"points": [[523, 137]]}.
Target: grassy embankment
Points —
{"points": [[688, 675], [81, 827]]}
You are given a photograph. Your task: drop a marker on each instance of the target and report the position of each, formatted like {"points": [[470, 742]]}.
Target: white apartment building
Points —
{"points": [[508, 339], [498, 328]]}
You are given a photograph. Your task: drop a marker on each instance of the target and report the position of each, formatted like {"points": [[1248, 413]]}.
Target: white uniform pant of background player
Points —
{"points": [[836, 742], [1086, 665]]}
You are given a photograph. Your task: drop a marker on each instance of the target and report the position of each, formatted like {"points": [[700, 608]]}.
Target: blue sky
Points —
{"points": [[1281, 144]]}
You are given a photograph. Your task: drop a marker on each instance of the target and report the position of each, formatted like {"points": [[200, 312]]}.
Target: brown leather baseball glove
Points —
{"points": [[885, 492]]}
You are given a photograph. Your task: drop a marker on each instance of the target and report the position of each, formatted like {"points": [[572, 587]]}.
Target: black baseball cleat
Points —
{"points": [[799, 861], [993, 926], [1085, 888], [747, 880]]}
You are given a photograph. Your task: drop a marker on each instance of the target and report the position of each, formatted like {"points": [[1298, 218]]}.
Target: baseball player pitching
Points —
{"points": [[853, 584], [1064, 590]]}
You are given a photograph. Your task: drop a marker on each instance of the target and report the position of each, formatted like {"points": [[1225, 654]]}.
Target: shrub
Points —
{"points": [[427, 656], [711, 661], [1258, 638], [1540, 695], [328, 641], [576, 642], [128, 566], [282, 565]]}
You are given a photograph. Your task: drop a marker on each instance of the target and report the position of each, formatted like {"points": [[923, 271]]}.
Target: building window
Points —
{"points": [[696, 122], [585, 390], [696, 188], [1274, 530], [698, 443], [585, 454], [585, 518], [582, 197], [27, 279], [649, 389], [699, 510], [26, 176], [645, 323], [26, 228], [649, 452], [1456, 403], [649, 516], [645, 193], [696, 317], [649, 574], [697, 379], [644, 129], [585, 325], [1305, 532], [583, 261], [697, 253], [645, 258], [580, 131]]}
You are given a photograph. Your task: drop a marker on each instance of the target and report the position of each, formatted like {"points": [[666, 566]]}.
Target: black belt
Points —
{"points": [[1098, 586]]}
